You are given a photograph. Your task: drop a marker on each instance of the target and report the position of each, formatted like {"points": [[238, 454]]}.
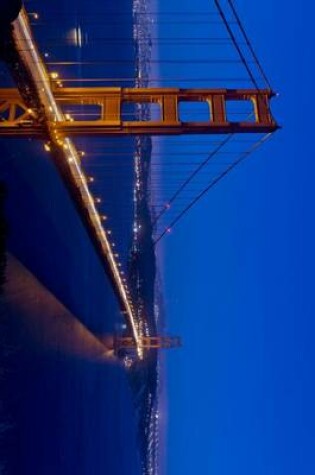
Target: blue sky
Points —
{"points": [[239, 285]]}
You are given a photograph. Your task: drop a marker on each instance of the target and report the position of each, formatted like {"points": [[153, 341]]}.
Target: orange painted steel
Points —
{"points": [[16, 119]]}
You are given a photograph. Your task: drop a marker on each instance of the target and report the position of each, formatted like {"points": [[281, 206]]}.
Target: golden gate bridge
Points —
{"points": [[216, 116]]}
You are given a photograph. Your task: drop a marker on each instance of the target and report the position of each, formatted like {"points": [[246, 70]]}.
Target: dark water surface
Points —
{"points": [[66, 414]]}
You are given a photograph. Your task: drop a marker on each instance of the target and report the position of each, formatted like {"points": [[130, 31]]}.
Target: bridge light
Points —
{"points": [[91, 179], [47, 147], [54, 75], [98, 200], [46, 55], [167, 206], [169, 230], [103, 217]]}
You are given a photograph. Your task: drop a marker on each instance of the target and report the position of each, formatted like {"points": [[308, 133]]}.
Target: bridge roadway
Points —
{"points": [[68, 162]]}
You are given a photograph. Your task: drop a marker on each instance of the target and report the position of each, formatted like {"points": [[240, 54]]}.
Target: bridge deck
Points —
{"points": [[67, 160]]}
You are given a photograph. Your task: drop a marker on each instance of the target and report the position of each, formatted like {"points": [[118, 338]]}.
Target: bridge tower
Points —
{"points": [[18, 120], [147, 342]]}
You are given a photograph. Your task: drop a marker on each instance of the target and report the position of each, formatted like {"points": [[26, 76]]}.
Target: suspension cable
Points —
{"points": [[216, 180]]}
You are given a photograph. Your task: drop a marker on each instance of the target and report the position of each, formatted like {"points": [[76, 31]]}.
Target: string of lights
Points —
{"points": [[71, 168]]}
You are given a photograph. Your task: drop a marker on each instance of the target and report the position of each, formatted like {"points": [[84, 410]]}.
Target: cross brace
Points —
{"points": [[105, 105]]}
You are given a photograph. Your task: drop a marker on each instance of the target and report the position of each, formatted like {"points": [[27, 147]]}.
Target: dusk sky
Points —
{"points": [[239, 284]]}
